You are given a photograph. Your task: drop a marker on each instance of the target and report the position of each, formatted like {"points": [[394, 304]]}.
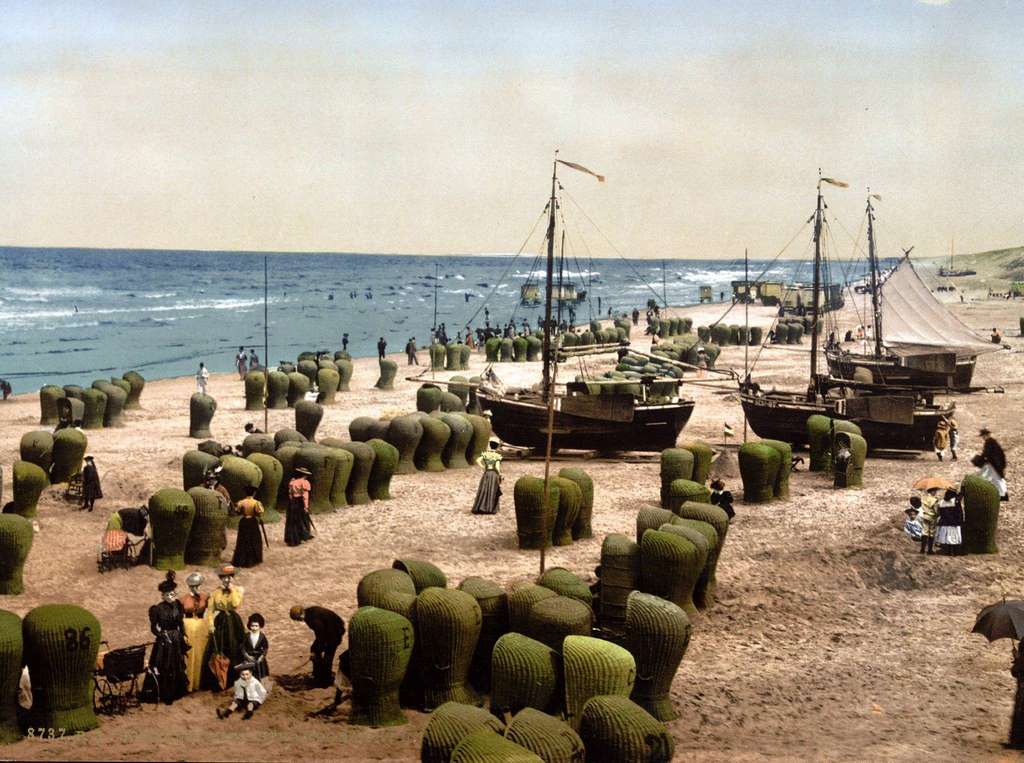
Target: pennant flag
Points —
{"points": [[876, 196], [727, 430], [833, 181], [581, 168]]}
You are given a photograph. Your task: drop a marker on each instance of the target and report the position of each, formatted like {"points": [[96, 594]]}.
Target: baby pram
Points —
{"points": [[125, 541]]}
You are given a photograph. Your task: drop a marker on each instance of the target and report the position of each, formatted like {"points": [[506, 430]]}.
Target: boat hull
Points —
{"points": [[524, 423], [781, 416], [888, 371]]}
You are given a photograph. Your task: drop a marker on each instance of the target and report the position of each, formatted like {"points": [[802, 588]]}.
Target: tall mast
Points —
{"points": [[816, 299], [546, 352], [435, 296], [873, 261]]}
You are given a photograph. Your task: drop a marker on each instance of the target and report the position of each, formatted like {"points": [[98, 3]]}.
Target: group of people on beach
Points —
{"points": [[937, 518], [201, 643]]}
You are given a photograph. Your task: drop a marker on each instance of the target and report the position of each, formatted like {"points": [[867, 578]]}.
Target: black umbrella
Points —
{"points": [[1002, 620]]}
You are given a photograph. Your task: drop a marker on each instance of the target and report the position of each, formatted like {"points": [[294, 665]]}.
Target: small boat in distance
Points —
{"points": [[952, 272]]}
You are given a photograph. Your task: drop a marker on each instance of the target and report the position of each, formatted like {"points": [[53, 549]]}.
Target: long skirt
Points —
{"points": [[226, 639], [249, 544], [1017, 719], [987, 472], [166, 680], [296, 525], [488, 493], [197, 634]]}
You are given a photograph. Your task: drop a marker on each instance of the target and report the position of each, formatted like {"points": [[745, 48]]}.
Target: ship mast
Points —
{"points": [[873, 261], [816, 299], [546, 351]]}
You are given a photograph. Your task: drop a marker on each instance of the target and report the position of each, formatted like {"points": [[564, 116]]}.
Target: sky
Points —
{"points": [[430, 127]]}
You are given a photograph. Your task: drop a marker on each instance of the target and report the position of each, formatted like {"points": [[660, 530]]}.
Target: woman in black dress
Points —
{"points": [[296, 524], [489, 491], [249, 543], [166, 680]]}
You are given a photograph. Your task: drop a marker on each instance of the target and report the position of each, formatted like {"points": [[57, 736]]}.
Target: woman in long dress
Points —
{"points": [[166, 680], [489, 490], [197, 632], [225, 628], [249, 543], [296, 524]]}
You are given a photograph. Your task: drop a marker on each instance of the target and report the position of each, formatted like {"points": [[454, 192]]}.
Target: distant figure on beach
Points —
{"points": [[992, 463], [344, 342], [297, 525], [254, 359], [90, 484], [202, 378], [5, 388], [382, 347], [951, 518], [240, 363], [997, 337], [722, 498], [912, 525], [636, 316], [598, 305], [249, 543], [410, 352], [488, 492], [251, 428]]}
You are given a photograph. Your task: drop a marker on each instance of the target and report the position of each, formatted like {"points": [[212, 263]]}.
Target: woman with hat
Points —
{"points": [[225, 630], [296, 524], [90, 484], [489, 490], [249, 543], [197, 633], [166, 680]]}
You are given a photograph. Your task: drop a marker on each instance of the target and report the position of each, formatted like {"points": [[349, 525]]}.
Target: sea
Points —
{"points": [[69, 316]]}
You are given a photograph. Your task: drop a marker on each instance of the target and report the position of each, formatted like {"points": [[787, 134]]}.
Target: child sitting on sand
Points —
{"points": [[249, 694]]}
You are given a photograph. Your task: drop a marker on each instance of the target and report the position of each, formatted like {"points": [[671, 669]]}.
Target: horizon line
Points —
{"points": [[300, 252]]}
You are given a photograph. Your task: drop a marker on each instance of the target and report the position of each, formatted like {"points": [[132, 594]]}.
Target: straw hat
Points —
{"points": [[226, 570], [303, 470]]}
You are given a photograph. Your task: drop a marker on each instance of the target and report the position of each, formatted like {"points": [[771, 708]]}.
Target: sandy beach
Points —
{"points": [[832, 639]]}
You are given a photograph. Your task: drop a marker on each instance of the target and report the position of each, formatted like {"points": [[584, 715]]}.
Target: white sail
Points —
{"points": [[914, 322]]}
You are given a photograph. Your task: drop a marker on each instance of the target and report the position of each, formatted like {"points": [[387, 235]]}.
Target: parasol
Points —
{"points": [[1002, 620], [928, 483]]}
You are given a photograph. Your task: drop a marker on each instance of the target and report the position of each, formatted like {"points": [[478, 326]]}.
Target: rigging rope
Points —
{"points": [[501, 278]]}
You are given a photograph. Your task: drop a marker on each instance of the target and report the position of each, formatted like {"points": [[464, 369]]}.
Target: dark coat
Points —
{"points": [[91, 481], [257, 655], [327, 627], [992, 454]]}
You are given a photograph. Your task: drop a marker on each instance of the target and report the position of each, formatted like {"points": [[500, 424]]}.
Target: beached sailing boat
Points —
{"points": [[645, 415], [917, 342], [952, 272], [896, 420]]}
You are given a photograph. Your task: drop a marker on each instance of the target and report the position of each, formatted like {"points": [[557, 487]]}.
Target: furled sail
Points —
{"points": [[914, 322]]}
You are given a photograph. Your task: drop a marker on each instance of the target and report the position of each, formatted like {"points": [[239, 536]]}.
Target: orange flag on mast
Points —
{"points": [[581, 168]]}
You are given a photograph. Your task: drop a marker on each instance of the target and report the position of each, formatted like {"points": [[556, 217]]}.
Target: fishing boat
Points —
{"points": [[917, 341], [645, 414], [891, 418], [952, 272]]}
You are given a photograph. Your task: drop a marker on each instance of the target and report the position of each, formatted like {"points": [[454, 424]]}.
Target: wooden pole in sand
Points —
{"points": [[266, 344], [746, 320]]}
